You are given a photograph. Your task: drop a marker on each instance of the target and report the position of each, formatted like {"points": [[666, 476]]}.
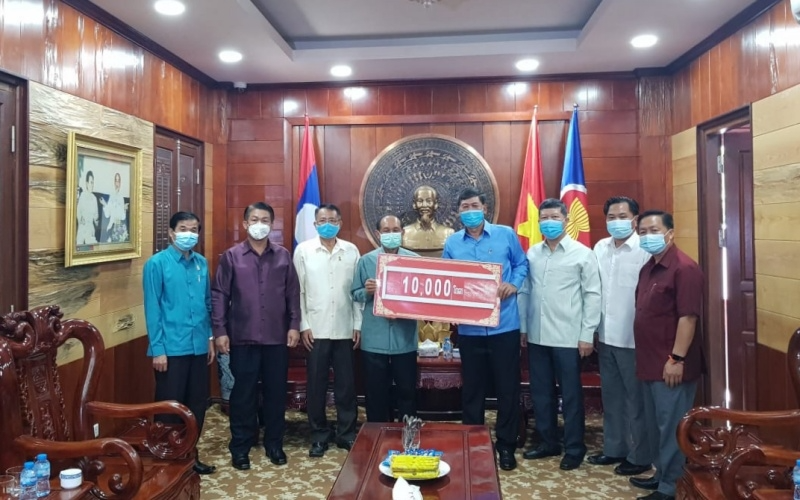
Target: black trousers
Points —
{"points": [[187, 382], [380, 370], [549, 365], [495, 358], [339, 354], [249, 364]]}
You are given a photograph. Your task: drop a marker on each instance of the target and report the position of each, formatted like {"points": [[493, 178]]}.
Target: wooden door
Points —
{"points": [[177, 183], [739, 245], [727, 258], [13, 198]]}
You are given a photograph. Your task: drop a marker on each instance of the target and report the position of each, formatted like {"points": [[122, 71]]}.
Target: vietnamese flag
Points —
{"points": [[526, 223], [573, 185]]}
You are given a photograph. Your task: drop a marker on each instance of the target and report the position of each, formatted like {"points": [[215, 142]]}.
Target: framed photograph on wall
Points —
{"points": [[104, 195]]}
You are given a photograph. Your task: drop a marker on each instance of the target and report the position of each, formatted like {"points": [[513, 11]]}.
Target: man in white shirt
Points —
{"points": [[621, 258], [330, 324], [559, 312]]}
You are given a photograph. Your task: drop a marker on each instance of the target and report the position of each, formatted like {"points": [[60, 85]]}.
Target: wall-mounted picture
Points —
{"points": [[104, 191]]}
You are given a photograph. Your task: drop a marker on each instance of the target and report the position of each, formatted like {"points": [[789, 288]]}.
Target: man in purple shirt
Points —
{"points": [[255, 315]]}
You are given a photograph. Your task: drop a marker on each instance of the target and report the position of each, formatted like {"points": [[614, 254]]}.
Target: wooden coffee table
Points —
{"points": [[467, 449]]}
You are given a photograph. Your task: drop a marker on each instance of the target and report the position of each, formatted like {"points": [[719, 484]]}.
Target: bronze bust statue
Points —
{"points": [[425, 233]]}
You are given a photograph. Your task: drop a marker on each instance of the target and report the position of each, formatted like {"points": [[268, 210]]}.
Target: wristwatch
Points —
{"points": [[678, 359]]}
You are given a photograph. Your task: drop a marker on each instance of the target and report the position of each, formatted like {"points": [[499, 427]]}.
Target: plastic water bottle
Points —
{"points": [[447, 349], [796, 480], [42, 469], [27, 482]]}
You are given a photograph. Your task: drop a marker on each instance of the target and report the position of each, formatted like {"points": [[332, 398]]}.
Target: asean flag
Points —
{"points": [[307, 191], [573, 185]]}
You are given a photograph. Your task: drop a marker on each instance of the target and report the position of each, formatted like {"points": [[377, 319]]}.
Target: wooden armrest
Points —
{"points": [[163, 441], [92, 467], [775, 465], [710, 447]]}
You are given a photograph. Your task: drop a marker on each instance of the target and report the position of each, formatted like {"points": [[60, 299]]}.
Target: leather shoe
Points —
{"points": [[202, 468], [656, 495], [541, 452], [628, 469], [570, 462], [241, 462], [601, 459], [318, 449], [645, 483], [345, 445], [507, 460], [276, 456]]}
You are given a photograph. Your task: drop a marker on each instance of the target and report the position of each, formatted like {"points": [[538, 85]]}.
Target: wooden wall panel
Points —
{"points": [[70, 52], [609, 134], [758, 61], [684, 186]]}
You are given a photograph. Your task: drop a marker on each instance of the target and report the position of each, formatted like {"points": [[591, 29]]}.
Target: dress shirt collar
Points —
{"points": [[632, 242], [317, 245], [669, 257], [247, 247], [177, 254], [487, 231], [564, 244]]}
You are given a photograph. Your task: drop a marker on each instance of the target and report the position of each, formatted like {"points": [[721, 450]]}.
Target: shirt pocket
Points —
{"points": [[660, 299], [628, 275]]}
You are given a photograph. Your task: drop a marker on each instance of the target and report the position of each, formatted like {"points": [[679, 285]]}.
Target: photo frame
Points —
{"points": [[103, 203]]}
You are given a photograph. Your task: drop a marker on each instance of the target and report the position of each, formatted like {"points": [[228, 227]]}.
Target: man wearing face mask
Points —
{"points": [[620, 258], [669, 357], [560, 310], [256, 318], [491, 353], [177, 306], [388, 346], [330, 328]]}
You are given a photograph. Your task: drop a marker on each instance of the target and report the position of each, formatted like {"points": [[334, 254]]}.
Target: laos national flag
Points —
{"points": [[573, 186], [307, 191]]}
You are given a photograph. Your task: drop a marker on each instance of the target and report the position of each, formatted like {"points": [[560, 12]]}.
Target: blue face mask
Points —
{"points": [[327, 230], [471, 218], [185, 241], [620, 229], [391, 240], [551, 229], [653, 244]]}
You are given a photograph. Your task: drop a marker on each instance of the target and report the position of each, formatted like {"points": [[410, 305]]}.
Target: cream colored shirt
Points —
{"points": [[326, 306], [619, 272], [560, 299]]}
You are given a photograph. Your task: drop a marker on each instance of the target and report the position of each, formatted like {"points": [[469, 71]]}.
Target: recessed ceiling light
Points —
{"points": [[341, 71], [527, 64], [169, 7], [644, 41], [230, 56]]}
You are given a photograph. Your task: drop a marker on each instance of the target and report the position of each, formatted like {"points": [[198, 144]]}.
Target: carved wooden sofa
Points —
{"points": [[733, 463], [155, 462]]}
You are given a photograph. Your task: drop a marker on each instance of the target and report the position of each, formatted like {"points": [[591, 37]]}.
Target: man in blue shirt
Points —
{"points": [[491, 353], [388, 346], [177, 307]]}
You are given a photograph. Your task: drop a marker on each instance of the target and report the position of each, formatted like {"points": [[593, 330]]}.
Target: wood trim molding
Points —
{"points": [[124, 30], [514, 116]]}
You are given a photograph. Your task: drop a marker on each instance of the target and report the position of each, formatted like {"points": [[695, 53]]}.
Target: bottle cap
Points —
{"points": [[28, 465], [41, 456]]}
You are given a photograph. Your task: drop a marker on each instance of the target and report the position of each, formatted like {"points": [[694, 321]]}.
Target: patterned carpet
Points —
{"points": [[307, 478]]}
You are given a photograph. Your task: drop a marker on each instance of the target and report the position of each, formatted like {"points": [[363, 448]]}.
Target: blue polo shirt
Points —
{"points": [[500, 245], [177, 303]]}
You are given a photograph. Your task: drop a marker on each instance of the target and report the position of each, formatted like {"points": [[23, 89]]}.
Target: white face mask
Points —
{"points": [[258, 231]]}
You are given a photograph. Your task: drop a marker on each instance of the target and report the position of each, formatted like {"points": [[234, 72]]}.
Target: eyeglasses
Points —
{"points": [[335, 222]]}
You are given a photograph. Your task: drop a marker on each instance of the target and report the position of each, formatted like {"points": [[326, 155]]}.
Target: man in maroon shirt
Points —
{"points": [[669, 359], [255, 315]]}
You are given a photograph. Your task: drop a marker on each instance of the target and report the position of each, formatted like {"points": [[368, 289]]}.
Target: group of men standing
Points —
{"points": [[639, 291]]}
